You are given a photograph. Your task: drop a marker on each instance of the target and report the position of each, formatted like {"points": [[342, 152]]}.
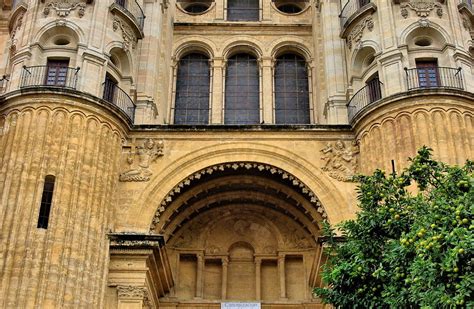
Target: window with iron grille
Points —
{"points": [[242, 90], [291, 90], [243, 10], [46, 200], [192, 90]]}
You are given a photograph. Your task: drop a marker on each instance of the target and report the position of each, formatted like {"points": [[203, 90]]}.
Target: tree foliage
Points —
{"points": [[405, 249]]}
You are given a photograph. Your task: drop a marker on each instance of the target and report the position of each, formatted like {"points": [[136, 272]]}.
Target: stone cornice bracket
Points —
{"points": [[130, 291], [355, 35], [422, 8], [147, 153], [340, 160], [128, 36], [64, 8]]}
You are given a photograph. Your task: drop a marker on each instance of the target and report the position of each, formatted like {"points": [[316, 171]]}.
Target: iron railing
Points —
{"points": [[133, 8], [117, 96], [350, 8], [434, 77], [369, 94], [47, 76]]}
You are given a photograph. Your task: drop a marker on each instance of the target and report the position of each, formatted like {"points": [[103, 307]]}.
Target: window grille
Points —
{"points": [[242, 90], [46, 199], [192, 90], [291, 90], [243, 10]]}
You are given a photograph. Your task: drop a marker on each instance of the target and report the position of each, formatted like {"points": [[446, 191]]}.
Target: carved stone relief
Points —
{"points": [[130, 291], [129, 38], [340, 160], [63, 8], [14, 30], [422, 8], [467, 24], [356, 34], [146, 154]]}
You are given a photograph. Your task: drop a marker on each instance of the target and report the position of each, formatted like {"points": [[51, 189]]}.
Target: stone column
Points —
{"points": [[267, 89], [225, 263], [258, 273], [281, 273], [199, 276], [217, 91]]}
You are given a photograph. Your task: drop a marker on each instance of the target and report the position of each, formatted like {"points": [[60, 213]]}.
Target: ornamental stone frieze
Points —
{"points": [[16, 26], [147, 153], [357, 32], [340, 160], [63, 8], [128, 36], [422, 8]]}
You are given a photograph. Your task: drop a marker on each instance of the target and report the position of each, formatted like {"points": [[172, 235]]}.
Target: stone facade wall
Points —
{"points": [[65, 265]]}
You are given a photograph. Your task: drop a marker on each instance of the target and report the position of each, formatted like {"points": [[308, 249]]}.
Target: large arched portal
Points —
{"points": [[241, 231]]}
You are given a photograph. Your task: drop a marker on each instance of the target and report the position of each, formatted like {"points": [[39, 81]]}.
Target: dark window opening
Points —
{"points": [[196, 8], [243, 10], [428, 74], [192, 90], [46, 200], [373, 88], [289, 8], [363, 2], [291, 90], [122, 3], [56, 74], [242, 90], [110, 86]]}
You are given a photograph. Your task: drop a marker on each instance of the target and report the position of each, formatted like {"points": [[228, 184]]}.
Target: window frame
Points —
{"points": [[258, 9]]}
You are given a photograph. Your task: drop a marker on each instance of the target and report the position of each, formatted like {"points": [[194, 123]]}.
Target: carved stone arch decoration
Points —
{"points": [[316, 211], [193, 46], [63, 8], [283, 46], [244, 45]]}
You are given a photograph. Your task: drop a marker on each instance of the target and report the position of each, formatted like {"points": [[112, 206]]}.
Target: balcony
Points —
{"points": [[434, 77], [465, 6], [423, 78], [354, 9], [370, 94], [118, 97], [132, 11], [67, 78]]}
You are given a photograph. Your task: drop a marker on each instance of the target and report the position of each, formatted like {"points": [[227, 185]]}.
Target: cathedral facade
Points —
{"points": [[185, 154]]}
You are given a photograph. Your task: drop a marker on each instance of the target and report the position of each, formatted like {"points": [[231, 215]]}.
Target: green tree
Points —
{"points": [[405, 249]]}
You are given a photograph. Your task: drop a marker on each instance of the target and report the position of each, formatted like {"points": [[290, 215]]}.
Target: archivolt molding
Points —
{"points": [[192, 44], [293, 44], [297, 184], [408, 30], [242, 44], [61, 23]]}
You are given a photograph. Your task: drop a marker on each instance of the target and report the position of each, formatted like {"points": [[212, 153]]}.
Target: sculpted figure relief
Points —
{"points": [[340, 161], [147, 154]]}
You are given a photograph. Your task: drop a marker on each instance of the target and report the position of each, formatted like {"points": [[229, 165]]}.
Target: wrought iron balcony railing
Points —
{"points": [[117, 96], [49, 76], [350, 8], [371, 93], [134, 9], [65, 77], [434, 77]]}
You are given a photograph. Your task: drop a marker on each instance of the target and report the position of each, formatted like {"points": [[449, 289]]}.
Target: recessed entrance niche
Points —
{"points": [[241, 234]]}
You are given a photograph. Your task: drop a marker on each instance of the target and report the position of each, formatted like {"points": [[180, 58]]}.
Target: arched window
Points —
{"points": [[243, 10], [242, 90], [291, 90], [192, 90]]}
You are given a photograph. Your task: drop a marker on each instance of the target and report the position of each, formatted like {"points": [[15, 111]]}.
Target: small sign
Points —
{"points": [[240, 305]]}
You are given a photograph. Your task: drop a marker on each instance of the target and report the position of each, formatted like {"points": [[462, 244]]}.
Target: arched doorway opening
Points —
{"points": [[241, 231]]}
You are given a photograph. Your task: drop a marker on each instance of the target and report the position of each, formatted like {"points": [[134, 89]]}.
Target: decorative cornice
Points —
{"points": [[302, 188]]}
